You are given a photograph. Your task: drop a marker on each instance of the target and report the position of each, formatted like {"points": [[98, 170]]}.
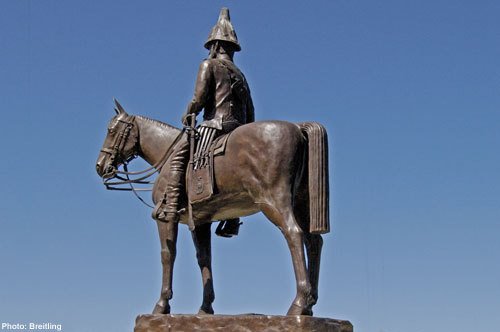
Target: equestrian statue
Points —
{"points": [[227, 167]]}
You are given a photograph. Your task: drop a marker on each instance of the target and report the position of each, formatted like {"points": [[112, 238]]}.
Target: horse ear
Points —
{"points": [[118, 108]]}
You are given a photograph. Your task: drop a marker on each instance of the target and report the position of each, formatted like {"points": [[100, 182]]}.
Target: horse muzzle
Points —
{"points": [[105, 171], [110, 172]]}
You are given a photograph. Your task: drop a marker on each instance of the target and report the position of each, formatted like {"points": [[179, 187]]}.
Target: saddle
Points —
{"points": [[200, 180]]}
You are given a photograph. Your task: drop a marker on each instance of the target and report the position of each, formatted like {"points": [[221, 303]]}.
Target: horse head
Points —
{"points": [[120, 145]]}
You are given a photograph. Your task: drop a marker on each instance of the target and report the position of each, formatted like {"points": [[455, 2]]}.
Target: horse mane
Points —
{"points": [[156, 122]]}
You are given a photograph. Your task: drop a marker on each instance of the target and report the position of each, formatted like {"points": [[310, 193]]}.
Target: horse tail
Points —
{"points": [[317, 160]]}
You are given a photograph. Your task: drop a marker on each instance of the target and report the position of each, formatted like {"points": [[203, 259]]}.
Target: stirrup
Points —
{"points": [[228, 228]]}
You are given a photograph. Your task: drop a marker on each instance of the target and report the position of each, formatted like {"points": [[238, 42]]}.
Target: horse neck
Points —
{"points": [[155, 138]]}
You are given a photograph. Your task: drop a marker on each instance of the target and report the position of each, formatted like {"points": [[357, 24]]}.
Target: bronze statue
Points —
{"points": [[276, 167]]}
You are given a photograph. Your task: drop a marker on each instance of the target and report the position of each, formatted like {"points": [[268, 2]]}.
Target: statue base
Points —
{"points": [[238, 323]]}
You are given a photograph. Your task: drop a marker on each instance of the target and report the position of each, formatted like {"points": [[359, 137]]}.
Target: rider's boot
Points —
{"points": [[168, 210], [228, 228]]}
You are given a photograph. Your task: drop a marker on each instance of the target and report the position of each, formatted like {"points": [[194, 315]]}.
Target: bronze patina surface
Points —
{"points": [[275, 167], [238, 323]]}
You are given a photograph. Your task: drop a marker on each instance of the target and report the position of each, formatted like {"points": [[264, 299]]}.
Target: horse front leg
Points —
{"points": [[201, 238], [168, 239]]}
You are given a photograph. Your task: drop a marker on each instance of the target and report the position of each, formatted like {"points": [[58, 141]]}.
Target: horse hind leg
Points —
{"points": [[285, 220], [202, 241], [314, 244]]}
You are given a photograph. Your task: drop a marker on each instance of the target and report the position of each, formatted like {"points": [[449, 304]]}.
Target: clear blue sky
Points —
{"points": [[408, 90]]}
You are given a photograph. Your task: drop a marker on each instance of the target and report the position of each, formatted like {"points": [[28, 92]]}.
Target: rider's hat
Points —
{"points": [[224, 31]]}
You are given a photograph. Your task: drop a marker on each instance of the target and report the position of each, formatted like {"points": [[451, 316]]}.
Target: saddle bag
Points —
{"points": [[200, 177], [200, 182]]}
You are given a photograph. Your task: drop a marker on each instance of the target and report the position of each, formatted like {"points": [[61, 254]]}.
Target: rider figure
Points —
{"points": [[222, 91]]}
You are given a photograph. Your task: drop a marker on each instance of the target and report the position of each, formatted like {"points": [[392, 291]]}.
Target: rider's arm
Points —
{"points": [[250, 109], [201, 89]]}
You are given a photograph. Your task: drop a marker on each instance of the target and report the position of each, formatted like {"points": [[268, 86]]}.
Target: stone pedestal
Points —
{"points": [[238, 323]]}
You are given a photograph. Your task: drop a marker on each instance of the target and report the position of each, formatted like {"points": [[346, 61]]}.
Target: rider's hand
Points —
{"points": [[185, 119]]}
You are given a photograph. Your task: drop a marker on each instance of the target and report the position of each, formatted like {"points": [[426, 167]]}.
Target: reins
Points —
{"points": [[150, 171]]}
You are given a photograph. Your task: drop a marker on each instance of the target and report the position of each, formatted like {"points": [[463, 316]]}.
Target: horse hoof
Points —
{"points": [[296, 310], [206, 311]]}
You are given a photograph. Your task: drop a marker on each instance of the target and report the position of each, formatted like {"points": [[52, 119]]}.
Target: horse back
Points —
{"points": [[260, 158]]}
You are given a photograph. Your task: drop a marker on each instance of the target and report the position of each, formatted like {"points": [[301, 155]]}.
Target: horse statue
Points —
{"points": [[277, 167]]}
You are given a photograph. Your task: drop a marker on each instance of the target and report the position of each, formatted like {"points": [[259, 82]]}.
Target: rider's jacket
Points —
{"points": [[222, 91]]}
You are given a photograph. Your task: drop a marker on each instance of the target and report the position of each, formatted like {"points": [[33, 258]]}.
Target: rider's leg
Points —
{"points": [[230, 227], [175, 183]]}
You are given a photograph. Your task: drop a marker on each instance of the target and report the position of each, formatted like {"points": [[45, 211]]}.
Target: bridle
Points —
{"points": [[121, 140], [117, 153]]}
